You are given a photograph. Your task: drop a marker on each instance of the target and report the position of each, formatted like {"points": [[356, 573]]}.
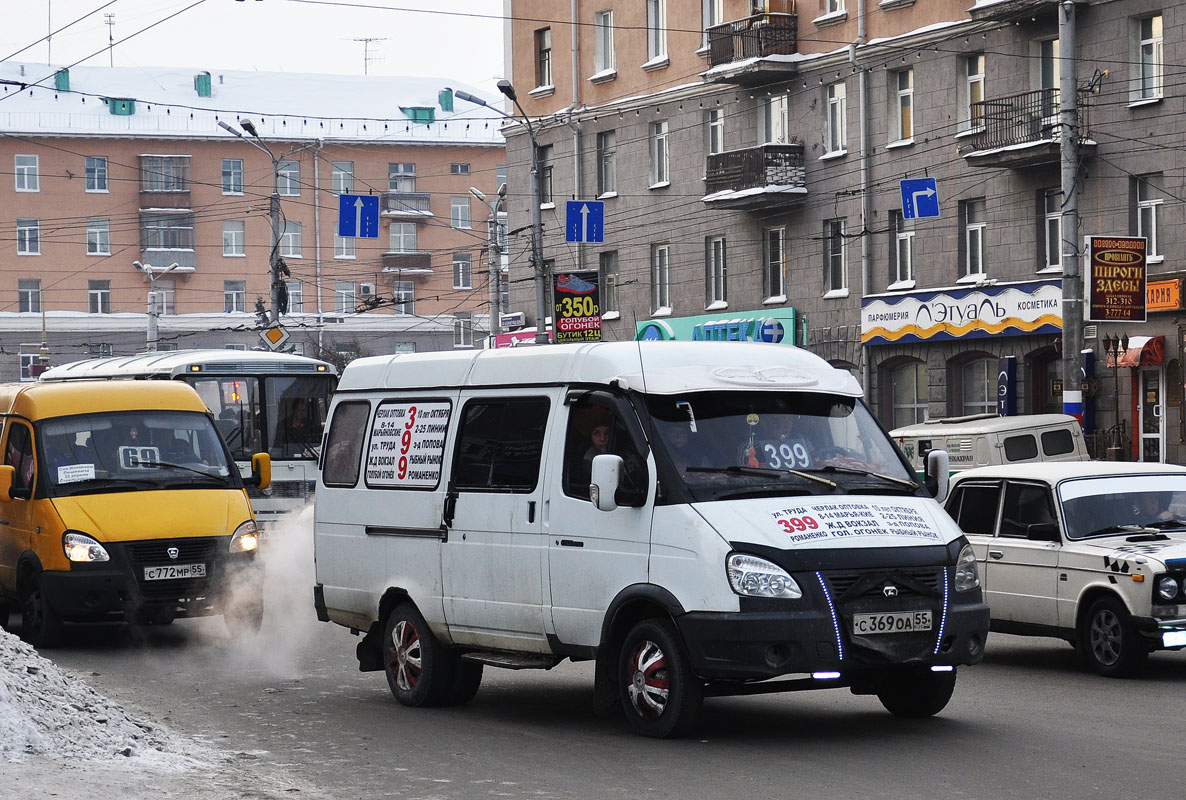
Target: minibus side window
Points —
{"points": [[594, 427], [500, 443], [343, 448], [18, 453]]}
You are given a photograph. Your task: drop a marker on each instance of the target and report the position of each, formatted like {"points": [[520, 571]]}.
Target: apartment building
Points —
{"points": [[123, 181], [752, 155]]}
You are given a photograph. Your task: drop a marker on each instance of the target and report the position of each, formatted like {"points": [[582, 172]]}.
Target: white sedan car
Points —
{"points": [[1091, 552]]}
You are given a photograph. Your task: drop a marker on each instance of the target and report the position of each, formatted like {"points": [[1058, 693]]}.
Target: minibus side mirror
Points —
{"points": [[7, 475], [261, 470], [607, 475], [937, 476]]}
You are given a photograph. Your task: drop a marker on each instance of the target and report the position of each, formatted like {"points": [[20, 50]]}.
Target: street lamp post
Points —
{"points": [[537, 225], [153, 308], [495, 253], [1114, 346]]}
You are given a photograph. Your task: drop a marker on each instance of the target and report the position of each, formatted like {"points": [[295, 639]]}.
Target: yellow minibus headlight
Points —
{"points": [[246, 538]]}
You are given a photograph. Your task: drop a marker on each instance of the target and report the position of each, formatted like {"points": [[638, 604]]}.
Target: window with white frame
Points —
{"points": [[975, 222], [774, 262], [902, 116], [836, 140], [1052, 228], [99, 297], [232, 176], [660, 278], [28, 173], [288, 178], [459, 212], [1149, 201], [656, 29], [344, 297], [544, 160], [833, 6], [234, 296], [401, 177], [543, 57], [979, 384], [28, 361], [96, 173], [463, 271], [166, 296], [290, 240], [98, 237], [902, 247], [774, 125], [607, 267], [344, 246], [659, 156], [164, 173], [342, 176], [103, 349], [1151, 58], [166, 231], [28, 294], [834, 255], [459, 168], [1050, 75], [234, 238], [603, 41], [971, 110], [404, 298], [713, 13], [402, 238], [607, 156], [908, 384], [28, 237], [463, 329], [716, 273], [296, 296], [714, 124]]}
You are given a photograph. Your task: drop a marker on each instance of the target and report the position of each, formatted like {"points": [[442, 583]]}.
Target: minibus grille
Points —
{"points": [[143, 554], [918, 582]]}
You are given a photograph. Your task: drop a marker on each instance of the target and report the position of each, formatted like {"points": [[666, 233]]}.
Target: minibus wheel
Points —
{"points": [[420, 670], [40, 624], [661, 694], [917, 693], [466, 680]]}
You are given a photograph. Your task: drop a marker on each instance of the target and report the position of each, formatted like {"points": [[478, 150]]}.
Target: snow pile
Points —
{"points": [[47, 712]]}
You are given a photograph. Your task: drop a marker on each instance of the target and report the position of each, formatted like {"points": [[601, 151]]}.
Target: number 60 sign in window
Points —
{"points": [[407, 445]]}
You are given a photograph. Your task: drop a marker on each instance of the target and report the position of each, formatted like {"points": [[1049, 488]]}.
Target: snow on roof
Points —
{"points": [[282, 105]]}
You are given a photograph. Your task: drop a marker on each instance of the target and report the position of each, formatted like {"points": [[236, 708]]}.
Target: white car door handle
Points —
{"points": [[996, 553]]}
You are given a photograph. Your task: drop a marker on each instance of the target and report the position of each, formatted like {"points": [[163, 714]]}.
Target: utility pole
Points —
{"points": [[109, 21], [1072, 284], [495, 274]]}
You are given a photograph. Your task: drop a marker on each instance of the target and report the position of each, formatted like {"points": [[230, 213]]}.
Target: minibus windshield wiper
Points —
{"points": [[909, 484], [171, 465], [764, 472]]}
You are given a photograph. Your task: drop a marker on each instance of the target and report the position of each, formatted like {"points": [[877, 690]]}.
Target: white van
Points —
{"points": [[698, 518], [982, 440]]}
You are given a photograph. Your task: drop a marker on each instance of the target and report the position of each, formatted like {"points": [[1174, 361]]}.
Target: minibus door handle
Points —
{"points": [[4, 522], [450, 508], [531, 511]]}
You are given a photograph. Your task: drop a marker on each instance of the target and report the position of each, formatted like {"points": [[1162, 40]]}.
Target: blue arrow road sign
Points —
{"points": [[584, 221], [920, 198], [358, 215]]}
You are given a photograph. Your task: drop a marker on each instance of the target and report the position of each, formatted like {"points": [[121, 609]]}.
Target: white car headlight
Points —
{"points": [[967, 576], [246, 538], [751, 576], [1167, 588], [81, 548]]}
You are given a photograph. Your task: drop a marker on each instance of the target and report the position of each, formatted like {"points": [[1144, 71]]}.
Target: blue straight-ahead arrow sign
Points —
{"points": [[584, 221], [358, 215], [920, 198]]}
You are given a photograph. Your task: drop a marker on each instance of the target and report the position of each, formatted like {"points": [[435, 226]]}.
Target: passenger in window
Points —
{"points": [[599, 444], [686, 447]]}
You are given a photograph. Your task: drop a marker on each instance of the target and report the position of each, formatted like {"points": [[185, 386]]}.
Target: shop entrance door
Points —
{"points": [[1152, 414]]}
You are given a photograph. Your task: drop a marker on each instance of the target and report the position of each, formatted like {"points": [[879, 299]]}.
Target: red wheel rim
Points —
{"points": [[405, 655], [648, 685]]}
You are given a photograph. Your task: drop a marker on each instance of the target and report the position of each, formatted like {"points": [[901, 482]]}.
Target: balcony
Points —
{"points": [[158, 258], [407, 263], [1019, 131], [406, 204], [1012, 10], [165, 199], [763, 177], [749, 51]]}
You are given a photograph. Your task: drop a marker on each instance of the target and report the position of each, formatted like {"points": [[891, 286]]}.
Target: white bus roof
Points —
{"points": [[660, 367], [175, 362]]}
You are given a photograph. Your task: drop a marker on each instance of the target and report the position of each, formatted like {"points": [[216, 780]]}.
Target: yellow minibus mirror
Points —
{"points": [[261, 470]]}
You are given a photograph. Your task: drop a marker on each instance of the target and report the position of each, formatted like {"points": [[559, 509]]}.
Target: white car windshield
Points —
{"points": [[1115, 504]]}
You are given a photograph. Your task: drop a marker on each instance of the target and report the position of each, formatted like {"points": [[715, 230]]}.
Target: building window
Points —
{"points": [[28, 293], [659, 162], [607, 267], [774, 263], [404, 298], [459, 212], [28, 360], [296, 296], [837, 128], [901, 248], [1152, 62], [344, 246], [773, 120], [974, 222], [500, 176], [233, 238], [902, 115], [603, 42], [712, 13], [835, 272], [607, 155], [543, 57], [979, 383], [1050, 74], [342, 175], [288, 178], [1052, 228], [28, 177], [99, 297], [290, 240], [166, 296], [660, 278], [1149, 201], [463, 271], [463, 329], [402, 238], [401, 177], [164, 173], [28, 237], [459, 168], [909, 388], [714, 123], [232, 176], [716, 273], [234, 296], [98, 237], [164, 231], [971, 112], [96, 173], [103, 350], [656, 29], [344, 297]]}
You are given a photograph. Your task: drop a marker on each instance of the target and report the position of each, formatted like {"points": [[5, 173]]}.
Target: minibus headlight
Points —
{"points": [[81, 548], [751, 576], [967, 576], [246, 538]]}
